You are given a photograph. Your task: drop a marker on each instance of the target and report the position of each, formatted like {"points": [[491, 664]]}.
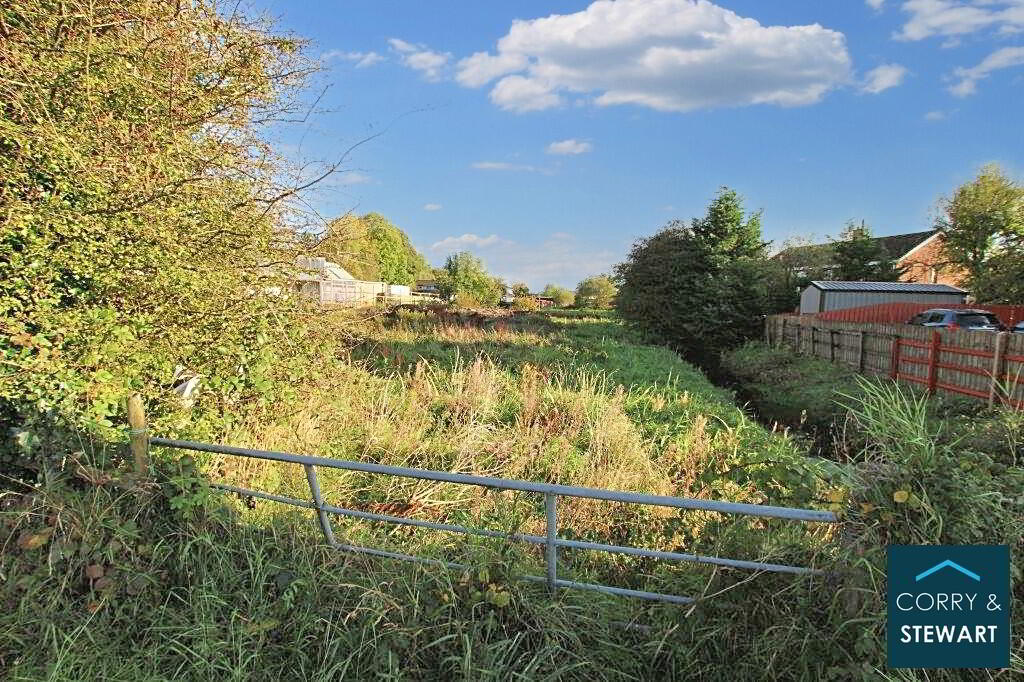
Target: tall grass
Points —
{"points": [[100, 583]]}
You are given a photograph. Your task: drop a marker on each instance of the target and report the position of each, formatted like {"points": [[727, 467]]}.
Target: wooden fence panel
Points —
{"points": [[982, 365], [1013, 367]]}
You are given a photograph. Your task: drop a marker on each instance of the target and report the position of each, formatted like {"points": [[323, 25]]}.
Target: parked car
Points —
{"points": [[1018, 328], [963, 318]]}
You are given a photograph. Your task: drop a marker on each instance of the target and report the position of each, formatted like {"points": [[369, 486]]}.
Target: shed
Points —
{"points": [[821, 296]]}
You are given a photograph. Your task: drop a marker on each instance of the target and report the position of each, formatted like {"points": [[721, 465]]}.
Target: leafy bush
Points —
{"points": [[141, 216], [525, 304]]}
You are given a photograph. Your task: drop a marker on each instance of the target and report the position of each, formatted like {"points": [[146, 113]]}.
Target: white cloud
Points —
{"points": [[875, 4], [956, 19], [883, 77], [929, 18], [432, 207], [570, 146], [482, 68], [466, 241], [361, 59], [401, 45], [935, 115], [502, 165], [670, 55], [1000, 59], [420, 58], [518, 93]]}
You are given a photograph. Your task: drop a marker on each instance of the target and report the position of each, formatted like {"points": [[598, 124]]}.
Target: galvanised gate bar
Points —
{"points": [[550, 540]]}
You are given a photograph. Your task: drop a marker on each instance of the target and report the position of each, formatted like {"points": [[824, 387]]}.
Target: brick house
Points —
{"points": [[919, 252], [926, 263]]}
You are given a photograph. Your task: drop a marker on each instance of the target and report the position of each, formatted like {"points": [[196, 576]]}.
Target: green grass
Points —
{"points": [[815, 397], [102, 583]]}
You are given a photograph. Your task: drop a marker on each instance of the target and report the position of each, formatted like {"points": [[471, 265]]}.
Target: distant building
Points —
{"points": [[321, 269], [822, 296], [543, 301], [426, 286], [919, 252]]}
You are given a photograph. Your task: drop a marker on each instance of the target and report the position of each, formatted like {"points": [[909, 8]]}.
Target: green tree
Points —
{"points": [[783, 287], [725, 232], [371, 248], [562, 296], [596, 292], [983, 227], [1002, 279], [347, 242], [702, 287], [859, 257], [464, 275], [520, 289]]}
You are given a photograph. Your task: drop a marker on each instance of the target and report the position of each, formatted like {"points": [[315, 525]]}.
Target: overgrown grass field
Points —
{"points": [[181, 582]]}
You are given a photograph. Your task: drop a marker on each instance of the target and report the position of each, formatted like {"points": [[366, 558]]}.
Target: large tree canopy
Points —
{"points": [[596, 292], [371, 248], [700, 287], [464, 276], [983, 227]]}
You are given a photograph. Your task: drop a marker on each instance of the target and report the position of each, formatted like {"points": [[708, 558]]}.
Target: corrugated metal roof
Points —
{"points": [[894, 287]]}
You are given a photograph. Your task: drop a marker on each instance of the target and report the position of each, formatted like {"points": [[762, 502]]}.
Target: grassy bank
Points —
{"points": [[178, 582], [921, 470], [186, 583], [820, 399]]}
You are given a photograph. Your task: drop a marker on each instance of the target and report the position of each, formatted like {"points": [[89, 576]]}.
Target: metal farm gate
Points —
{"points": [[551, 492]]}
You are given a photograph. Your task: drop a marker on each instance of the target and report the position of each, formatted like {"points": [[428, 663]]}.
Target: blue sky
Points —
{"points": [[547, 136]]}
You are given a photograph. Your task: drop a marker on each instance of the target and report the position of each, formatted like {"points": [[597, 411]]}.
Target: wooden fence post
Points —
{"points": [[832, 345], [998, 365], [933, 361], [860, 351], [781, 340], [799, 338], [894, 361], [139, 434]]}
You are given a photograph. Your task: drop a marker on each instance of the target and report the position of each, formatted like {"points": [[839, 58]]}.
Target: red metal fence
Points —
{"points": [[982, 365], [900, 313]]}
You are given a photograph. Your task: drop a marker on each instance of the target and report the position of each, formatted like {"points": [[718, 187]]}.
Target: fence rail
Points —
{"points": [[550, 540], [982, 365], [899, 313]]}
